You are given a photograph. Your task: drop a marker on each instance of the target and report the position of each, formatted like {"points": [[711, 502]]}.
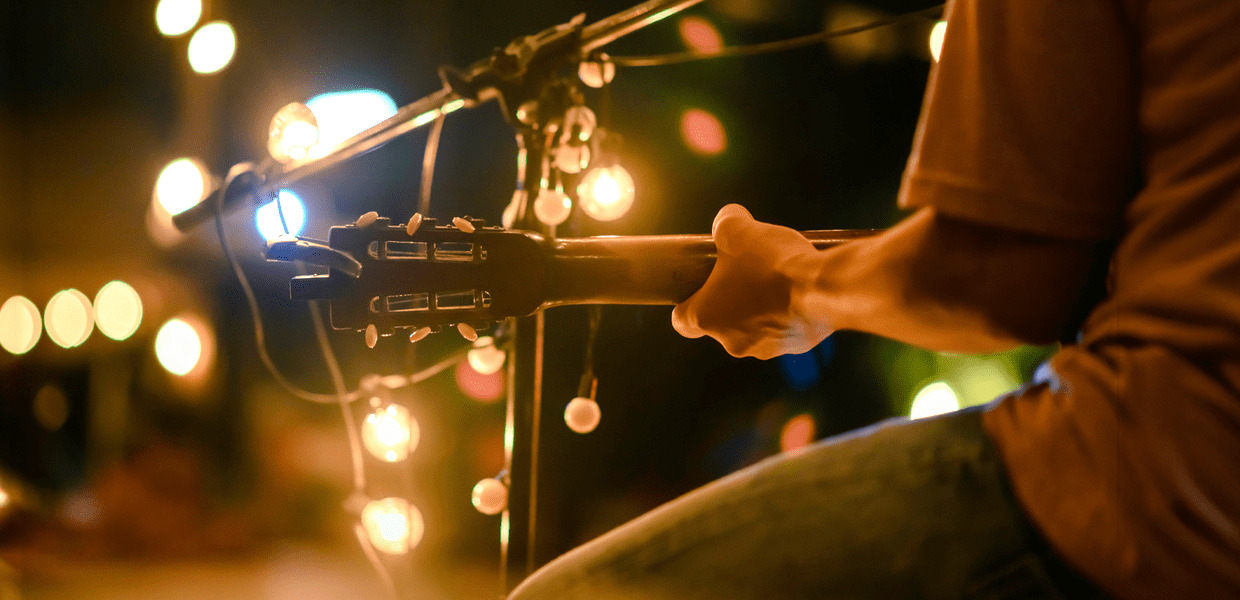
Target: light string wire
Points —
{"points": [[777, 46]]}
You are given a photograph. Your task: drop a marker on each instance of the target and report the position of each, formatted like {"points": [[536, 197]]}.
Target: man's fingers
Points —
{"points": [[729, 218], [684, 321]]}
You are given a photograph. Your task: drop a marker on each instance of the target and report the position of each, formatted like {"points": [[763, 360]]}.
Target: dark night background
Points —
{"points": [[94, 101]]}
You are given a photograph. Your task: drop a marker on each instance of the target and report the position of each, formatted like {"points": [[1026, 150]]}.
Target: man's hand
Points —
{"points": [[750, 301]]}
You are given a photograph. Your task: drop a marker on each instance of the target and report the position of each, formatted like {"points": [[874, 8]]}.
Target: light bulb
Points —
{"points": [[485, 358], [176, 17], [598, 73], [937, 34], [489, 496], [268, 220], [390, 433], [69, 318], [118, 310], [294, 130], [212, 47], [393, 525], [178, 346], [552, 207], [934, 399], [572, 159], [582, 415], [20, 325], [606, 193], [509, 218], [182, 184]]}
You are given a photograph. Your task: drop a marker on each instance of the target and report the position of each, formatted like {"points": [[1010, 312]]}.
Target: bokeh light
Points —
{"points": [[118, 310], [552, 207], [267, 217], [182, 184], [934, 399], [51, 407], [797, 433], [606, 193], [483, 388], [485, 358], [20, 325], [212, 47], [176, 17], [293, 131], [341, 115], [489, 496], [700, 35], [582, 415], [936, 39], [69, 318], [390, 433], [179, 346], [393, 525], [702, 132]]}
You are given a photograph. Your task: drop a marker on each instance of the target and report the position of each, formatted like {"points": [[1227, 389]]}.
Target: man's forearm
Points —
{"points": [[946, 284]]}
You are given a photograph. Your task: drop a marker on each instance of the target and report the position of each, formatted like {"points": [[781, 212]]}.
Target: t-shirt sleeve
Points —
{"points": [[1029, 120]]}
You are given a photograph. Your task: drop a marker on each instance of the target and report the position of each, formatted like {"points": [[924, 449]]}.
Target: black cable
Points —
{"points": [[779, 46]]}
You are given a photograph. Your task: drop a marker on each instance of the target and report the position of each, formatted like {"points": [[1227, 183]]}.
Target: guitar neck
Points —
{"points": [[644, 269]]}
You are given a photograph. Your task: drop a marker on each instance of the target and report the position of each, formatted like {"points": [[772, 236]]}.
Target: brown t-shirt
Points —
{"points": [[1097, 119]]}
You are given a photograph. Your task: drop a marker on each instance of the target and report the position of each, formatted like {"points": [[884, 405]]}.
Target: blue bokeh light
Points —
{"points": [[268, 216]]}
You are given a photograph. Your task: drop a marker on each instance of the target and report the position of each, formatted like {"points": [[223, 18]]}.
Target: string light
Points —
{"points": [[69, 318], [20, 325], [934, 399], [937, 34], [267, 217], [700, 35], [212, 47], [489, 496], [118, 310], [702, 132], [178, 346], [293, 131], [177, 17], [181, 185], [797, 433], [606, 193], [485, 358], [343, 114], [582, 415], [552, 207], [393, 525], [390, 433], [597, 73]]}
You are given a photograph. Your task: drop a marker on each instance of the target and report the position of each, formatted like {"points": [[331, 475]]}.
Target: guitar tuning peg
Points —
{"points": [[414, 223], [367, 219], [419, 334], [467, 331], [372, 335], [463, 224]]}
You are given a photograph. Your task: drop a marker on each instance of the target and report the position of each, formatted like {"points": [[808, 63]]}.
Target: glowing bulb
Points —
{"points": [[797, 433], [118, 310], [702, 132], [582, 415], [934, 399], [182, 184], [212, 47], [393, 525], [606, 193], [293, 131], [485, 358], [489, 496], [175, 17], [20, 325], [178, 347], [936, 39], [341, 115], [509, 218], [69, 318], [267, 218], [390, 433], [596, 74], [552, 207], [700, 35]]}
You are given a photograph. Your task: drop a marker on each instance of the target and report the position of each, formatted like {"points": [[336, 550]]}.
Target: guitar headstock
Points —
{"points": [[437, 275]]}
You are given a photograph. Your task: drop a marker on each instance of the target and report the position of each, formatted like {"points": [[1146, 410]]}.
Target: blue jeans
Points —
{"points": [[902, 509]]}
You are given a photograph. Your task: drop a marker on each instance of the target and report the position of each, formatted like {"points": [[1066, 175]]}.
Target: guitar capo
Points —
{"points": [[290, 248]]}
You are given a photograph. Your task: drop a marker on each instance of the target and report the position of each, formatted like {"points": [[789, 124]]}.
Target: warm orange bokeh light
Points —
{"points": [[700, 35], [483, 388], [702, 132], [798, 432]]}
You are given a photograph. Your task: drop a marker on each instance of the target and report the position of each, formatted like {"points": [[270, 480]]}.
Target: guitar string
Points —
{"points": [[777, 46]]}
